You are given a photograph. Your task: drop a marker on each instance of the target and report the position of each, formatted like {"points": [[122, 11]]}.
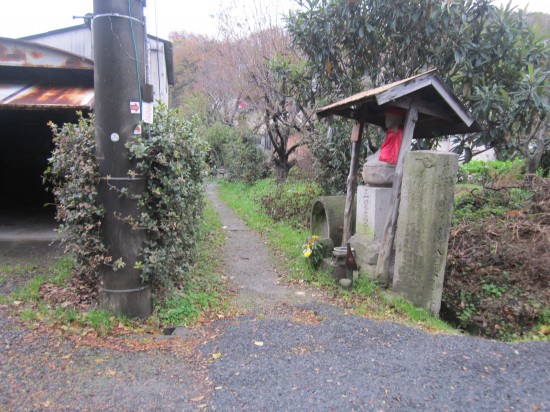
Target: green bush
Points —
{"points": [[245, 161], [473, 202], [291, 202], [73, 177], [330, 147], [171, 157], [218, 137], [331, 150], [481, 172]]}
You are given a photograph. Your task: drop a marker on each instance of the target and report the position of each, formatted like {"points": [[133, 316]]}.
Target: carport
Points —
{"points": [[38, 84]]}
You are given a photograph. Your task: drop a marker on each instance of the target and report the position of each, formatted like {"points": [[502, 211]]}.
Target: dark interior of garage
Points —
{"points": [[26, 143]]}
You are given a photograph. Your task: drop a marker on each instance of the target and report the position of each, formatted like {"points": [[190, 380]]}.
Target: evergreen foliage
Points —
{"points": [[172, 158]]}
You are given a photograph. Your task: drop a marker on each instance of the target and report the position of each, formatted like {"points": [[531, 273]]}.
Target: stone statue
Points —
{"points": [[379, 168]]}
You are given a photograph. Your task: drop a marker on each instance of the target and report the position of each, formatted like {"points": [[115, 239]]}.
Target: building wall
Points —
{"points": [[446, 146], [78, 40]]}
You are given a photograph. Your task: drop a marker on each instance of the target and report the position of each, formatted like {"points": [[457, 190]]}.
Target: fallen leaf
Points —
{"points": [[217, 355], [197, 399]]}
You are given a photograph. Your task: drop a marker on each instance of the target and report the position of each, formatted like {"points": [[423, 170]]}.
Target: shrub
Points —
{"points": [[245, 161], [481, 172], [331, 150], [291, 202], [73, 177], [171, 157], [218, 137]]}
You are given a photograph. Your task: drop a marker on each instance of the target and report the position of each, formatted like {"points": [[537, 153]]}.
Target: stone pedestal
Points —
{"points": [[372, 210], [423, 226]]}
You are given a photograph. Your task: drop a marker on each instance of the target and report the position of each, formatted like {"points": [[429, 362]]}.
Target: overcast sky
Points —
{"points": [[25, 17]]}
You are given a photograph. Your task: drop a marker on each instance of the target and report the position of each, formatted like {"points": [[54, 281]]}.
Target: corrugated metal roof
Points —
{"points": [[21, 53], [41, 95]]}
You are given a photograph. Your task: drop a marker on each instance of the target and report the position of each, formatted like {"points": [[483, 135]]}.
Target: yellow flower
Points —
{"points": [[307, 253], [315, 237]]}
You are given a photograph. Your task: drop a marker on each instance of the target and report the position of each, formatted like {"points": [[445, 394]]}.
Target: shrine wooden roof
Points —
{"points": [[440, 111]]}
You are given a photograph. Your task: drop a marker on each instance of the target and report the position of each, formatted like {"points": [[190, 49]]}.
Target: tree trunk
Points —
{"points": [[533, 161]]}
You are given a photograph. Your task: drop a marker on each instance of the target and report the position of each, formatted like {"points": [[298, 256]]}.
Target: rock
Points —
{"points": [[377, 173], [345, 283]]}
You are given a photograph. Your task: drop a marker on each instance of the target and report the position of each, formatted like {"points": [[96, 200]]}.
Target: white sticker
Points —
{"points": [[137, 129], [147, 113], [134, 108], [114, 137]]}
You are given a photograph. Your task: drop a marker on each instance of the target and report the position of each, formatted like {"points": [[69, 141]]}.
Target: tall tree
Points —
{"points": [[260, 53], [483, 52]]}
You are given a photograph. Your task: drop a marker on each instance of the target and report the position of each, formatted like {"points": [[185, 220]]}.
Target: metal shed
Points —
{"points": [[49, 77], [38, 84], [78, 40]]}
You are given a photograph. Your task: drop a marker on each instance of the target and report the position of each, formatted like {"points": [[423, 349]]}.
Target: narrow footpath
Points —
{"points": [[249, 265], [287, 351]]}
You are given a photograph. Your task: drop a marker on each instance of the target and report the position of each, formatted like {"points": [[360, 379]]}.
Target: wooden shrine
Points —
{"points": [[432, 110]]}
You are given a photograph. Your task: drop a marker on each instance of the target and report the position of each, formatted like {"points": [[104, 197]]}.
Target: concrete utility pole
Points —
{"points": [[119, 34]]}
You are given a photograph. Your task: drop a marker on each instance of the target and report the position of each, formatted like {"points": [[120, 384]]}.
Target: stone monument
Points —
{"points": [[423, 227], [373, 198]]}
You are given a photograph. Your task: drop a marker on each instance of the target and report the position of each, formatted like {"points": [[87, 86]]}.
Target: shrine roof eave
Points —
{"points": [[440, 111]]}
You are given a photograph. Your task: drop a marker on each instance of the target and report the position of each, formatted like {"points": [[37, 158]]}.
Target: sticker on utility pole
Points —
{"points": [[134, 108], [137, 129], [147, 116]]}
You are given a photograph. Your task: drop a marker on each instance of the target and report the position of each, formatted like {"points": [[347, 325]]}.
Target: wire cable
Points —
{"points": [[158, 45], [136, 54]]}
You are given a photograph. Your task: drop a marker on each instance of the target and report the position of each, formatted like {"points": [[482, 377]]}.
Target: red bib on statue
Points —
{"points": [[390, 148]]}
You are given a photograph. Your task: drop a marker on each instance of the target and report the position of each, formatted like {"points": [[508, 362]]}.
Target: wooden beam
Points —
{"points": [[447, 94], [404, 89], [424, 107], [384, 257], [356, 135]]}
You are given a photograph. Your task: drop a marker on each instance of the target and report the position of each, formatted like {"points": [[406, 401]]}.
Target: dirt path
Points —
{"points": [[248, 263]]}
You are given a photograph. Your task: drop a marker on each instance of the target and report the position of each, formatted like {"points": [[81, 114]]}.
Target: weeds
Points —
{"points": [[205, 292]]}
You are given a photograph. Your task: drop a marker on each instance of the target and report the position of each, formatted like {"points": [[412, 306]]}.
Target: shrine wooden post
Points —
{"points": [[386, 246], [356, 136]]}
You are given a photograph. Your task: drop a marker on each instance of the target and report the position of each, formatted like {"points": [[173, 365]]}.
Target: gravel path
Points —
{"points": [[349, 363], [288, 352], [42, 371]]}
